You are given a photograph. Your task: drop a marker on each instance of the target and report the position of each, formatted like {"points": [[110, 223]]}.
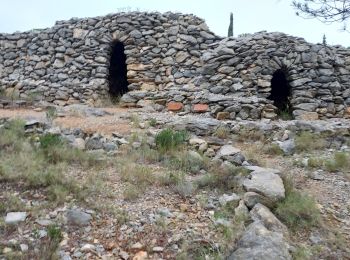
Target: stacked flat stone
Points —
{"points": [[174, 59], [240, 70], [69, 62]]}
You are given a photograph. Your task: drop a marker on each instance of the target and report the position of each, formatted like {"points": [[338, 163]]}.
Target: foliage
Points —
{"points": [[298, 211], [168, 139], [230, 28], [307, 141], [273, 149], [40, 164], [51, 114], [340, 161], [327, 11]]}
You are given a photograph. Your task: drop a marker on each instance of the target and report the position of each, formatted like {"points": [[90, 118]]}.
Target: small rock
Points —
{"points": [[157, 249], [316, 175], [124, 255], [137, 245], [142, 255], [233, 198], [267, 183], [88, 248], [79, 143], [15, 217], [44, 222], [241, 210], [78, 217], [7, 250], [227, 150], [24, 247]]}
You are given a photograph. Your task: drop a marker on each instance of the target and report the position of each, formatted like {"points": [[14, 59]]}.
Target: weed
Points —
{"points": [[153, 122], [57, 193], [307, 141], [273, 149], [298, 211], [135, 120], [131, 192], [250, 134], [223, 178], [51, 114], [185, 161], [222, 132], [340, 161], [301, 253], [139, 175], [10, 203], [168, 139], [172, 178], [315, 162], [184, 188], [285, 114]]}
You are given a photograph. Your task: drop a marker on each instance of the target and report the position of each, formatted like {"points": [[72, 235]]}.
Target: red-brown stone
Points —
{"points": [[175, 106], [200, 108]]}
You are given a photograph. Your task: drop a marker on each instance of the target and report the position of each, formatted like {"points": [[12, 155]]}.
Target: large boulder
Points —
{"points": [[259, 243], [267, 183]]}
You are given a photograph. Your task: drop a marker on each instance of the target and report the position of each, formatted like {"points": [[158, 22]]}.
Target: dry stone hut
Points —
{"points": [[174, 61]]}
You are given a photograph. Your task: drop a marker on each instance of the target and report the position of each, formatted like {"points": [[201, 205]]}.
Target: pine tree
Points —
{"points": [[230, 28]]}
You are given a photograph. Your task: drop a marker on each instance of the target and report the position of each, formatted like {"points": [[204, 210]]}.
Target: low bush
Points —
{"points": [[298, 211], [169, 139]]}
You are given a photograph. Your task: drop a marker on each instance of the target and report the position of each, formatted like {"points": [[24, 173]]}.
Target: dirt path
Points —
{"points": [[107, 124]]}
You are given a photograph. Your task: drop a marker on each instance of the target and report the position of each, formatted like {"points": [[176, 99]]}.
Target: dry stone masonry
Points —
{"points": [[173, 61]]}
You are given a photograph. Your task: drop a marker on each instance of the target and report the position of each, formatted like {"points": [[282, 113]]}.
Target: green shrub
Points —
{"points": [[168, 139], [49, 140], [298, 211]]}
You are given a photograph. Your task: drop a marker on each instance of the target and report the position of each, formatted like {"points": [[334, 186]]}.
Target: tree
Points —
{"points": [[327, 11], [324, 40], [230, 28]]}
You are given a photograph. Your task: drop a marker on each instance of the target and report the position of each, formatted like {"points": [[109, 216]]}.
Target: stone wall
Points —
{"points": [[69, 62], [174, 60], [241, 71]]}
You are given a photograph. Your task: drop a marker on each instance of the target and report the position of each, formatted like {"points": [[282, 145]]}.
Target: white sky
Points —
{"points": [[249, 15]]}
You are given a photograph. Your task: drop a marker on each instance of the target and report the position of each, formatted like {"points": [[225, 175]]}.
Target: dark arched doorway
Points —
{"points": [[280, 93], [118, 82]]}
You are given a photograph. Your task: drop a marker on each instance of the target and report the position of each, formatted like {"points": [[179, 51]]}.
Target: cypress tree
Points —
{"points": [[230, 28]]}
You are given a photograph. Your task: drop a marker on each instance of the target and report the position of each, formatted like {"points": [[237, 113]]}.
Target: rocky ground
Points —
{"points": [[218, 196]]}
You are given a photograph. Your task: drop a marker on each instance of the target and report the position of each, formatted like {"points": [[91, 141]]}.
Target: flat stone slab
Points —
{"points": [[227, 150], [266, 183], [15, 217]]}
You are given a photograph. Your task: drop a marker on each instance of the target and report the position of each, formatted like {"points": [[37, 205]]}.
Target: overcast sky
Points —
{"points": [[249, 15]]}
